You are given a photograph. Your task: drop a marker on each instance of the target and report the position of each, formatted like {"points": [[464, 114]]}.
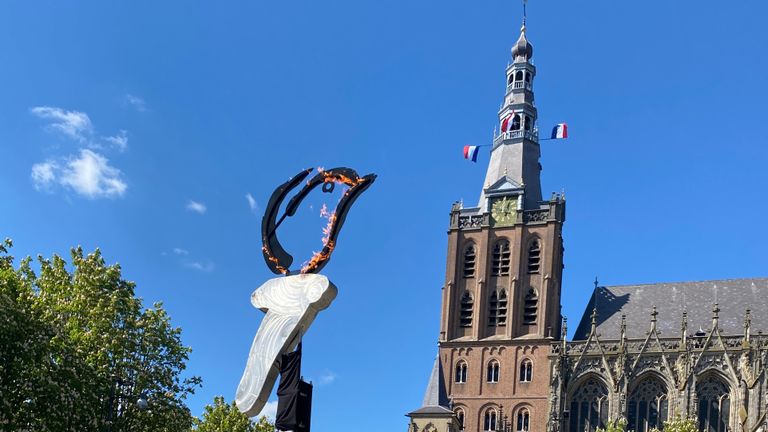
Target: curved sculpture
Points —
{"points": [[278, 259], [291, 304]]}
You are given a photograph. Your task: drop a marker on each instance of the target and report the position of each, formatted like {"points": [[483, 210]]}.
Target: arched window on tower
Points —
{"points": [[519, 76], [469, 261], [526, 370], [497, 309], [500, 262], [534, 256], [493, 309], [461, 372], [516, 122], [648, 406], [523, 420], [492, 373], [460, 417], [489, 420], [714, 404], [530, 306], [589, 407], [528, 78], [467, 305], [501, 318], [528, 123], [510, 79]]}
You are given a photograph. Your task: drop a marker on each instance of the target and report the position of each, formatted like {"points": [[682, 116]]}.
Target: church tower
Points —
{"points": [[501, 299]]}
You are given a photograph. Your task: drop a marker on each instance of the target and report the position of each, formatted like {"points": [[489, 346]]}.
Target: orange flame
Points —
{"points": [[328, 245]]}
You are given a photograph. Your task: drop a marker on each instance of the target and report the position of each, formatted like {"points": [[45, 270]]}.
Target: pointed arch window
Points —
{"points": [[493, 310], [492, 373], [534, 256], [526, 370], [523, 420], [501, 317], [497, 310], [589, 407], [501, 258], [460, 417], [461, 372], [489, 420], [469, 261], [516, 122], [714, 404], [531, 306], [467, 305], [648, 406]]}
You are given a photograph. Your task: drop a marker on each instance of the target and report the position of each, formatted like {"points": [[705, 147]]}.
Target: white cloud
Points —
{"points": [[136, 102], [91, 175], [74, 124], [119, 141], [327, 377], [88, 174], [180, 251], [252, 202], [44, 174], [269, 410], [203, 266], [196, 207]]}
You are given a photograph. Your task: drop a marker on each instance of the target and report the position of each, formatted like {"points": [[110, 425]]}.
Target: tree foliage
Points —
{"points": [[619, 425], [681, 425], [221, 417], [78, 350]]}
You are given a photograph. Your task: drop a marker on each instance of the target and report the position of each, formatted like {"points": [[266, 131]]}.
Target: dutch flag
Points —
{"points": [[506, 124], [470, 152], [560, 131]]}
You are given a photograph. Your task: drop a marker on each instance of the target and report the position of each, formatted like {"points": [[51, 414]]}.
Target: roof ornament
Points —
{"points": [[525, 14], [594, 318], [654, 314], [747, 326], [623, 329], [564, 334], [684, 329], [715, 315], [522, 47]]}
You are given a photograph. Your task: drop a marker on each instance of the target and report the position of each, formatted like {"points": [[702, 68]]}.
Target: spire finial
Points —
{"points": [[525, 14]]}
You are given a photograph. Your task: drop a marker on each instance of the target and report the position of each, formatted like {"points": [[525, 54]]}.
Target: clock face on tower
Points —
{"points": [[504, 211]]}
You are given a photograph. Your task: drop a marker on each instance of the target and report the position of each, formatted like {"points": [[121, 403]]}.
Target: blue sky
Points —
{"points": [[142, 127]]}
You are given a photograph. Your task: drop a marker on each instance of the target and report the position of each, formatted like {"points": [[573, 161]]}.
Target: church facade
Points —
{"points": [[645, 353]]}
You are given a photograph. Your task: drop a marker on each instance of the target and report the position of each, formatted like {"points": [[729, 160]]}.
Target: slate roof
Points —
{"points": [[733, 297], [436, 397]]}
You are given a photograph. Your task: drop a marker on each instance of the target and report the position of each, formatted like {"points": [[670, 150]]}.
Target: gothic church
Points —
{"points": [[644, 353]]}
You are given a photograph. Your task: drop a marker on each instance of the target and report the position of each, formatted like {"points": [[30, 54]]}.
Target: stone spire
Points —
{"points": [[435, 397], [514, 168], [435, 413]]}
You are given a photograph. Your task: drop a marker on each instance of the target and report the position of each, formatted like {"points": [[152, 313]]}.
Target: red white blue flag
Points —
{"points": [[506, 124], [560, 131], [470, 152]]}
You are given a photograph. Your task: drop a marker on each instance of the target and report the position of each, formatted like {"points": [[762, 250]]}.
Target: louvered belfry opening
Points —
{"points": [[531, 307]]}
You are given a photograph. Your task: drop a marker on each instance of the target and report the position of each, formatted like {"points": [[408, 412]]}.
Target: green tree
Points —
{"points": [[78, 350], [680, 425], [223, 417], [619, 425]]}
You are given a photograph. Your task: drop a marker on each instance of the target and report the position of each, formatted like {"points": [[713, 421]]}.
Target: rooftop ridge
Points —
{"points": [[763, 278]]}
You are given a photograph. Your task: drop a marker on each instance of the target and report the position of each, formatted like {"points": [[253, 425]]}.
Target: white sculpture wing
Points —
{"points": [[291, 304]]}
